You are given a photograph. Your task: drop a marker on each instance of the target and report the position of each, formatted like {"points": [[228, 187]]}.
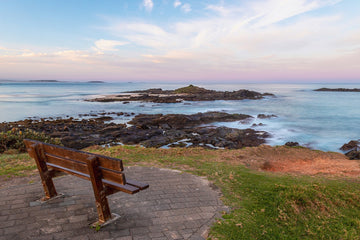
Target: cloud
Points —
{"points": [[245, 33], [219, 9], [186, 8], [248, 41], [108, 45], [177, 3], [148, 4], [273, 11]]}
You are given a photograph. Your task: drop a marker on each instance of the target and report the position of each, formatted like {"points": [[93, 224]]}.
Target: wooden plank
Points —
{"points": [[104, 161], [102, 204], [68, 153], [72, 166], [135, 183], [67, 163], [113, 176], [70, 171], [127, 188]]}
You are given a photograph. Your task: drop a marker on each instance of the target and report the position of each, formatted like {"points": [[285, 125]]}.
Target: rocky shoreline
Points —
{"points": [[189, 93], [156, 130], [148, 130]]}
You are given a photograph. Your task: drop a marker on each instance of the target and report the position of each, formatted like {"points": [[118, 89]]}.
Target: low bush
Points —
{"points": [[13, 139]]}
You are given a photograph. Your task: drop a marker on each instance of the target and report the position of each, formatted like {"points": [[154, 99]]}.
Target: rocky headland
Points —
{"points": [[149, 130], [337, 90], [189, 93]]}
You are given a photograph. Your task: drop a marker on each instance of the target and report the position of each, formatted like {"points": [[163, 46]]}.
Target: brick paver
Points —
{"points": [[176, 206]]}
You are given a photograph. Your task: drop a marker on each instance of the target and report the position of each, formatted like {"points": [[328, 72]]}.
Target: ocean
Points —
{"points": [[319, 120]]}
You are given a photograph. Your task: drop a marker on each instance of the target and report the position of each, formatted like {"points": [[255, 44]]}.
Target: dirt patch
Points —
{"points": [[294, 160]]}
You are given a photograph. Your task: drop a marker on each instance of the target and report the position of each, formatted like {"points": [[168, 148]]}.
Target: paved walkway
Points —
{"points": [[176, 206]]}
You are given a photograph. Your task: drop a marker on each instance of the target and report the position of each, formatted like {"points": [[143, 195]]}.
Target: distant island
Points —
{"points": [[44, 81], [189, 93], [95, 82], [337, 90]]}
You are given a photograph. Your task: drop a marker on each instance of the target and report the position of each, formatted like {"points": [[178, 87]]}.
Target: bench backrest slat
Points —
{"points": [[75, 162], [104, 161], [67, 163], [68, 170]]}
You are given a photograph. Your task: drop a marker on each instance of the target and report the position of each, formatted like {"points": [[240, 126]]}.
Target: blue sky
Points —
{"points": [[178, 40]]}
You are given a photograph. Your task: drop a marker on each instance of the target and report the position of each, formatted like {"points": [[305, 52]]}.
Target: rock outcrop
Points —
{"points": [[189, 93], [149, 130]]}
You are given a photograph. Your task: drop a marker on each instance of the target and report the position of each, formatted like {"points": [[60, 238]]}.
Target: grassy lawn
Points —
{"points": [[12, 165], [263, 205]]}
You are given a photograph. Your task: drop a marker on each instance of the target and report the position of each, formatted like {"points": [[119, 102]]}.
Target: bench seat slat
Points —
{"points": [[124, 188], [138, 184]]}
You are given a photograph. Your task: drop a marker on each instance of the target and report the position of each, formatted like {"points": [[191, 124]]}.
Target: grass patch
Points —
{"points": [[269, 206], [263, 205], [12, 165]]}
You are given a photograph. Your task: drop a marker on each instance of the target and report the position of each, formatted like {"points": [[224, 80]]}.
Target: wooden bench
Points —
{"points": [[105, 173]]}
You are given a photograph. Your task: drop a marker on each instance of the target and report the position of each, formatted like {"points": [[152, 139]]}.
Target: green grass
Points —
{"points": [[263, 205], [269, 206], [12, 165]]}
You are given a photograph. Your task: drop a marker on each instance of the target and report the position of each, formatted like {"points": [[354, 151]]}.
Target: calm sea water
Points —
{"points": [[320, 120]]}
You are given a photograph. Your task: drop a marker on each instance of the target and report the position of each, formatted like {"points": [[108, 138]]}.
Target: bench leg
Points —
{"points": [[46, 178], [102, 204]]}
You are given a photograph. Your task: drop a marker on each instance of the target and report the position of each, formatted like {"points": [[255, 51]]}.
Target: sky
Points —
{"points": [[181, 40]]}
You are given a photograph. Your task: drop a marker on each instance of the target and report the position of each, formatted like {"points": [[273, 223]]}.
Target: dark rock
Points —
{"points": [[352, 145], [292, 144], [264, 116], [105, 118], [353, 155], [183, 121]]}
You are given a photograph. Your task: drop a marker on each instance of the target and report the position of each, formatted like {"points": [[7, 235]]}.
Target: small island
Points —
{"points": [[95, 82], [189, 93], [44, 81], [338, 90]]}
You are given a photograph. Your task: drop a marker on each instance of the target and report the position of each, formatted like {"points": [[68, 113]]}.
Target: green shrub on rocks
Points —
{"points": [[13, 139]]}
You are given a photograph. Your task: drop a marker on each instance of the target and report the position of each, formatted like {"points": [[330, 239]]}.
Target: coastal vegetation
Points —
{"points": [[263, 204], [12, 140]]}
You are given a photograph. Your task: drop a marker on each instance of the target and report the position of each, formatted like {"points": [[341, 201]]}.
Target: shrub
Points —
{"points": [[13, 139]]}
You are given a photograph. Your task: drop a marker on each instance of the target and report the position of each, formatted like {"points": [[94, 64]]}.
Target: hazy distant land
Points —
{"points": [[45, 81], [338, 90]]}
